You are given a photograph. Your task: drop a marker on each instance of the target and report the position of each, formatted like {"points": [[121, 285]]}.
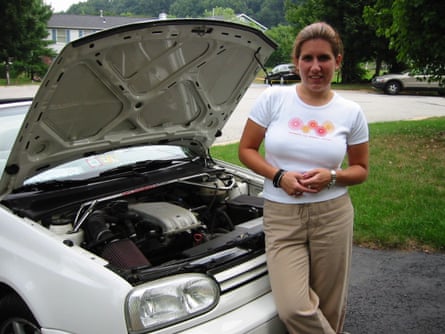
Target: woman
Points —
{"points": [[308, 217]]}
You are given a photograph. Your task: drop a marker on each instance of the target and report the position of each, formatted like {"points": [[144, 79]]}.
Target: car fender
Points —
{"points": [[66, 288]]}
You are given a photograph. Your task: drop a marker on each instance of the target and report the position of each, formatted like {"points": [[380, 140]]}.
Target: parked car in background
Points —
{"points": [[282, 74], [114, 218], [395, 83]]}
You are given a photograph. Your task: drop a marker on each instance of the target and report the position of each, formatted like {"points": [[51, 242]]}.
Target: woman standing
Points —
{"points": [[307, 130]]}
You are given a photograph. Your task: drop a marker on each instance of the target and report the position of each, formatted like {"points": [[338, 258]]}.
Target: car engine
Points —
{"points": [[150, 226]]}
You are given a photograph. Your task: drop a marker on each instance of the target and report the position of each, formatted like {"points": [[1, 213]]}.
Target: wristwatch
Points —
{"points": [[333, 178]]}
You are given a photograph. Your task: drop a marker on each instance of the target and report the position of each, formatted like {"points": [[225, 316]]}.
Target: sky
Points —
{"points": [[61, 5]]}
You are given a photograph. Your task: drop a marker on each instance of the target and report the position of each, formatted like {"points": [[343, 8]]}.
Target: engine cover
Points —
{"points": [[171, 218]]}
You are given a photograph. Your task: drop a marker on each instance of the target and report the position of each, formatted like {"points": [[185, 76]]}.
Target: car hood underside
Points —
{"points": [[168, 81]]}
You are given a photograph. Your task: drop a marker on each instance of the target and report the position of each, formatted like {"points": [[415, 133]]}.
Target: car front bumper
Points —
{"points": [[378, 84], [257, 317]]}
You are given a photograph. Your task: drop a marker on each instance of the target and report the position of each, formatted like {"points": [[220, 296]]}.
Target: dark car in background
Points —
{"points": [[284, 73]]}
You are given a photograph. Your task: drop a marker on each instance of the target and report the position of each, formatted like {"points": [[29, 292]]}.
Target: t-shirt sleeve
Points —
{"points": [[359, 132], [261, 112]]}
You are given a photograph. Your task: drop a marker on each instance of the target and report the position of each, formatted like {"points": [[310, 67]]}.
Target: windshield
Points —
{"points": [[11, 119], [94, 165]]}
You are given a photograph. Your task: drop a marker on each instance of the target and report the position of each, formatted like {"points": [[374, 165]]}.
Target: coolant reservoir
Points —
{"points": [[211, 188], [64, 233]]}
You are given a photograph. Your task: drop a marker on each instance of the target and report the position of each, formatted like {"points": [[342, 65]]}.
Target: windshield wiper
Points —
{"points": [[51, 185], [147, 165], [133, 169]]}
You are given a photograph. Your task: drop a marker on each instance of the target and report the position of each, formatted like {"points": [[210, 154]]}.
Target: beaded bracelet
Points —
{"points": [[277, 178]]}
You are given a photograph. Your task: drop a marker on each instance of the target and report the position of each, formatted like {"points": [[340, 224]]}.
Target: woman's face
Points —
{"points": [[317, 65]]}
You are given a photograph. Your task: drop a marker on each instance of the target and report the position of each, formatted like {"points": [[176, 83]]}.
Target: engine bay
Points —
{"points": [[150, 226]]}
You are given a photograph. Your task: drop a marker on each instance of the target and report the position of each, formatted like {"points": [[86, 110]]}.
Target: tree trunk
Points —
{"points": [[8, 81], [378, 66]]}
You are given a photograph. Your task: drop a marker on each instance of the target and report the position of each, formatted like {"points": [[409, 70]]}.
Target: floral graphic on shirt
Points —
{"points": [[296, 124]]}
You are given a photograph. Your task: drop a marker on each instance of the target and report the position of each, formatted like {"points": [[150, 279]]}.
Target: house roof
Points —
{"points": [[99, 22]]}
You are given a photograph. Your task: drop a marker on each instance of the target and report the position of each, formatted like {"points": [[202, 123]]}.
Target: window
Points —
{"points": [[61, 36]]}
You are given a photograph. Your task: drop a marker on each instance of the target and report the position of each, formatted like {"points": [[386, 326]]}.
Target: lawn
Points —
{"points": [[402, 204]]}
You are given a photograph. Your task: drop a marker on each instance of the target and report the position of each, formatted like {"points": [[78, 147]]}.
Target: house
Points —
{"points": [[64, 28]]}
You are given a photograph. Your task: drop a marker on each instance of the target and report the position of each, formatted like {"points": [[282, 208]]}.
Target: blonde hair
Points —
{"points": [[318, 30]]}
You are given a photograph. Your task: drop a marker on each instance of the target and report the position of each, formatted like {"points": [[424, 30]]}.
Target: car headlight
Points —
{"points": [[169, 300]]}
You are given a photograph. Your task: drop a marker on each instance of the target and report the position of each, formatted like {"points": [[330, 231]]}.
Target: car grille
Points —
{"points": [[240, 274]]}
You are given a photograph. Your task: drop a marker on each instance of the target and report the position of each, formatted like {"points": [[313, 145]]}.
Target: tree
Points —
{"points": [[23, 32], [378, 17], [346, 17], [268, 12], [187, 8], [415, 31], [284, 35]]}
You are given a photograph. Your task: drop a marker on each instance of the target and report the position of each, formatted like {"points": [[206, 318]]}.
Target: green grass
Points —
{"points": [[402, 204]]}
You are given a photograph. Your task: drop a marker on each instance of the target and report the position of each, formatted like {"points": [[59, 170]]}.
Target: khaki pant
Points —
{"points": [[308, 256]]}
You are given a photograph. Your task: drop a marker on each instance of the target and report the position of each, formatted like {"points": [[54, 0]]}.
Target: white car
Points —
{"points": [[114, 218], [393, 84]]}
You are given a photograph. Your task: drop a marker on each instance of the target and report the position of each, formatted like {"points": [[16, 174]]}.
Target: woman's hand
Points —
{"points": [[316, 179], [292, 184]]}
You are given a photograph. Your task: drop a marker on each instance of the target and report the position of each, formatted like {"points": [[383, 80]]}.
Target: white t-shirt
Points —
{"points": [[301, 137]]}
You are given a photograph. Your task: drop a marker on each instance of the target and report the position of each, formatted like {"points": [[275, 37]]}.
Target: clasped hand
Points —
{"points": [[313, 181]]}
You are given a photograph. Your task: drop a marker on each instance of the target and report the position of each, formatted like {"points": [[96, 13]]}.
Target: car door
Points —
{"points": [[420, 81]]}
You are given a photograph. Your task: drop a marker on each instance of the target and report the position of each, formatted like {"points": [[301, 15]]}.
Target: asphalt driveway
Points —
{"points": [[396, 292]]}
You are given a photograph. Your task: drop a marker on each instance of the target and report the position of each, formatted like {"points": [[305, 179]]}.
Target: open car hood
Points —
{"points": [[154, 82]]}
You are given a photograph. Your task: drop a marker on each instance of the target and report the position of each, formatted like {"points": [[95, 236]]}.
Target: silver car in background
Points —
{"points": [[393, 84]]}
